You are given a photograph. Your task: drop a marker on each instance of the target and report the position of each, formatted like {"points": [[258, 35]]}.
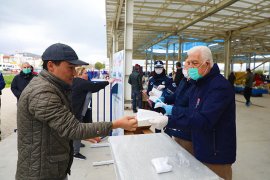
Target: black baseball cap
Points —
{"points": [[62, 52], [158, 64]]}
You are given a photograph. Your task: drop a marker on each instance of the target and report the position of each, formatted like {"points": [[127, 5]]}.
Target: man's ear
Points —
{"points": [[50, 66]]}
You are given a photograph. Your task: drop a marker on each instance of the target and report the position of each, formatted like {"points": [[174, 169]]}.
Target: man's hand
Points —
{"points": [[129, 123], [94, 140], [160, 87], [167, 108], [159, 122], [110, 81]]}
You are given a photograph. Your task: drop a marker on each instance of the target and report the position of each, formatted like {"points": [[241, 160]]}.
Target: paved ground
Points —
{"points": [[253, 144]]}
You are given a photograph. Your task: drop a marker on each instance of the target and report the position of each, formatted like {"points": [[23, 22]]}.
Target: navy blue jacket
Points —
{"points": [[211, 117], [80, 88], [162, 79], [19, 82], [180, 99]]}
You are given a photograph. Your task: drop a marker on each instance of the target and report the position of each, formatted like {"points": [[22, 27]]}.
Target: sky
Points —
{"points": [[33, 25]]}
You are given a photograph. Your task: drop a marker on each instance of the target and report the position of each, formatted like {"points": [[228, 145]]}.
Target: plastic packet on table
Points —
{"points": [[161, 164], [181, 159]]}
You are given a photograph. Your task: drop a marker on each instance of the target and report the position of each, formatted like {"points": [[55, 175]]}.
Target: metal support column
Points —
{"points": [[179, 49], [254, 60], [128, 46], [173, 55], [146, 61], [167, 56], [227, 48], [151, 57]]}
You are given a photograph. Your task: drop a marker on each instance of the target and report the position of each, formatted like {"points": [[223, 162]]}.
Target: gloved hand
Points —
{"points": [[151, 93], [168, 109], [159, 122], [159, 100], [160, 87]]}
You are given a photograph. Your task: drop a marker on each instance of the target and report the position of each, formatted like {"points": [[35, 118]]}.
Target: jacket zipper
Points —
{"points": [[214, 141]]}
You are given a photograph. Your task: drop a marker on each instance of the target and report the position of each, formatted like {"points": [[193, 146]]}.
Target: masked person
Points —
{"points": [[161, 82], [21, 80], [210, 116]]}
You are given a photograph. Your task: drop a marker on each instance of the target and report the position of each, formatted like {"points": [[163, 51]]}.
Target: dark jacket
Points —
{"points": [[46, 126], [162, 79], [135, 80], [249, 80], [180, 99], [2, 83], [19, 82], [80, 88], [211, 117], [231, 78], [178, 76]]}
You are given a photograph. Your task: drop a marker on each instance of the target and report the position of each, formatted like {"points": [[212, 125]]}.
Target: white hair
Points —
{"points": [[205, 53]]}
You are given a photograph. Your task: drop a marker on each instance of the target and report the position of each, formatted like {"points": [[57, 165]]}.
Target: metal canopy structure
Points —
{"points": [[167, 23]]}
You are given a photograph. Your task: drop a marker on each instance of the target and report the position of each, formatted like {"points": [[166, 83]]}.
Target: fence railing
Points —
{"points": [[102, 105]]}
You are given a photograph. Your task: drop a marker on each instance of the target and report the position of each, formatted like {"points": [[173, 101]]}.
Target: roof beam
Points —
{"points": [[252, 26], [118, 13], [209, 12]]}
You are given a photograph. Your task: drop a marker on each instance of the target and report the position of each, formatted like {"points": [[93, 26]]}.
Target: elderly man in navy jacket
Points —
{"points": [[210, 115]]}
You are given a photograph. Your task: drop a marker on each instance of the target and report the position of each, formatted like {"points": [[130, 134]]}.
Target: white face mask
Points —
{"points": [[158, 70], [185, 72]]}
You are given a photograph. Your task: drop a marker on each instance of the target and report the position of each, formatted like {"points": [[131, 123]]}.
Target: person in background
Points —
{"points": [[21, 80], [46, 124], [179, 74], [2, 86], [210, 116], [135, 80], [33, 72], [232, 78], [248, 86], [161, 82], [82, 90]]}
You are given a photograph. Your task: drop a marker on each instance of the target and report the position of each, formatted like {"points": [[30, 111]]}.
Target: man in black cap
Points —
{"points": [[46, 125]]}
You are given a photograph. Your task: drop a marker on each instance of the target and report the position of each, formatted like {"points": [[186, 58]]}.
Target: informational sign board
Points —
{"points": [[118, 72]]}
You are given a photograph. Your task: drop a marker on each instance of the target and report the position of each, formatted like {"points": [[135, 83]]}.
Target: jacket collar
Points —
{"points": [[55, 80], [213, 72]]}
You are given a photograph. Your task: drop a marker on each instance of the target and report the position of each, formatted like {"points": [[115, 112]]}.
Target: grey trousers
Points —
{"points": [[76, 146]]}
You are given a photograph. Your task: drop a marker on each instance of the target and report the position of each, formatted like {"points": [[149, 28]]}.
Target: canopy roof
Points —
{"points": [[162, 22]]}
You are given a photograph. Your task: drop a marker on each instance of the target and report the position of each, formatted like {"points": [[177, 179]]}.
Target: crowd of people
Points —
{"points": [[54, 111]]}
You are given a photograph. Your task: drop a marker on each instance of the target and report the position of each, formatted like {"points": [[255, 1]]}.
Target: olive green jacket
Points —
{"points": [[46, 127]]}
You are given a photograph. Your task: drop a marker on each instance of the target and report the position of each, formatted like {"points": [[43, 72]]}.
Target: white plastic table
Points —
{"points": [[133, 154]]}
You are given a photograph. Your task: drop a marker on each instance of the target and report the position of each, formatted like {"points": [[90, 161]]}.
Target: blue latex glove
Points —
{"points": [[161, 99], [168, 109]]}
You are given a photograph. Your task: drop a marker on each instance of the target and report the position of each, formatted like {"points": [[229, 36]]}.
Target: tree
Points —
{"points": [[99, 66]]}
